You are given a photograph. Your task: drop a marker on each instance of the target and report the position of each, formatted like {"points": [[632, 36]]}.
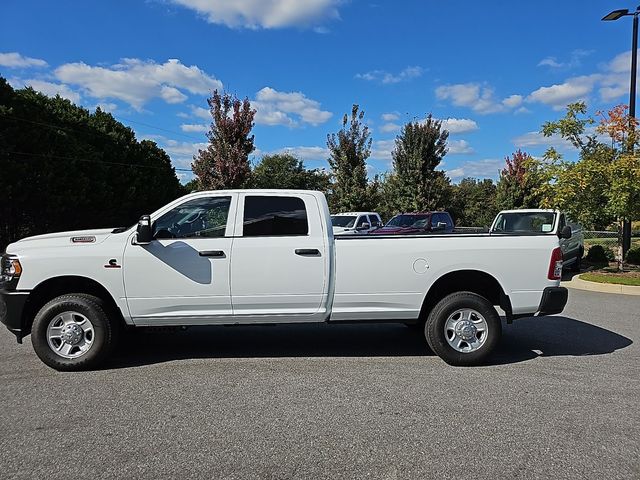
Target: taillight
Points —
{"points": [[555, 265]]}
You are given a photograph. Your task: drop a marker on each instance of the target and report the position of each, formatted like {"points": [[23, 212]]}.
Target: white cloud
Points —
{"points": [[181, 153], [386, 78], [488, 168], [172, 95], [479, 98], [390, 127], [200, 112], [611, 82], [621, 63], [255, 14], [512, 101], [457, 147], [559, 95], [50, 89], [186, 127], [15, 60], [550, 62], [107, 107], [459, 125], [381, 149], [575, 60], [304, 153], [183, 149], [287, 108], [390, 117], [536, 139], [136, 81]]}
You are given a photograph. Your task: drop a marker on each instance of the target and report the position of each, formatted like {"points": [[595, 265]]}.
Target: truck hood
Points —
{"points": [[62, 239]]}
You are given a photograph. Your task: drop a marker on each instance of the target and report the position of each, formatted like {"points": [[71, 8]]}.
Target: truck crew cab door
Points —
{"points": [[279, 261], [182, 276]]}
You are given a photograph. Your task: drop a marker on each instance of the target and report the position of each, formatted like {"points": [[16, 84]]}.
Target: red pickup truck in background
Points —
{"points": [[422, 222]]}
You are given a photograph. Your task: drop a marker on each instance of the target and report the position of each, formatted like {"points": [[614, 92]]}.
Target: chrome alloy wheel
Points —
{"points": [[70, 334], [466, 330]]}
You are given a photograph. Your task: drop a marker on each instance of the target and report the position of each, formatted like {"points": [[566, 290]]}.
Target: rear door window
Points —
{"points": [[274, 216]]}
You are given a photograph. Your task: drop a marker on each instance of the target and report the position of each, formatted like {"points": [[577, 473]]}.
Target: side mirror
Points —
{"points": [[364, 226], [143, 232], [565, 233], [438, 226]]}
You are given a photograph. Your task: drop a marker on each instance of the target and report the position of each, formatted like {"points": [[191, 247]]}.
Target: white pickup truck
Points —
{"points": [[269, 256], [542, 221]]}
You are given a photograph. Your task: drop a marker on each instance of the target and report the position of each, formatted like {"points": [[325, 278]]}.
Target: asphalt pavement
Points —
{"points": [[560, 399]]}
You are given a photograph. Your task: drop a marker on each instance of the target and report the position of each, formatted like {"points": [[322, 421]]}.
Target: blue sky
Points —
{"points": [[494, 70]]}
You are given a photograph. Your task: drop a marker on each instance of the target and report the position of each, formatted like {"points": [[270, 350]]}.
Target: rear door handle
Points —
{"points": [[308, 252], [212, 253]]}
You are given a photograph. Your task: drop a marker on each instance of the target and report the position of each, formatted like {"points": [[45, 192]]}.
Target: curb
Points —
{"points": [[579, 284]]}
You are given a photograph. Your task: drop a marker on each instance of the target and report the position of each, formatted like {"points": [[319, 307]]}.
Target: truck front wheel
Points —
{"points": [[73, 332], [463, 329]]}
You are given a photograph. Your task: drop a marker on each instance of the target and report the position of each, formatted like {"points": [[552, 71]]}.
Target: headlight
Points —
{"points": [[10, 271]]}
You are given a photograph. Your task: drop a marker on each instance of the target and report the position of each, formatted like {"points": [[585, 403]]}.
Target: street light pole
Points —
{"points": [[615, 15], [634, 67], [626, 225]]}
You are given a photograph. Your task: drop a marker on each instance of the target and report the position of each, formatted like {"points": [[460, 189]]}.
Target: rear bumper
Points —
{"points": [[553, 300], [11, 308]]}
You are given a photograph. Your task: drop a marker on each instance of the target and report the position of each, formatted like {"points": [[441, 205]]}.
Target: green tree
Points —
{"points": [[225, 161], [414, 183], [603, 186], [64, 168], [474, 202], [519, 182], [284, 170], [579, 188], [349, 149], [191, 186]]}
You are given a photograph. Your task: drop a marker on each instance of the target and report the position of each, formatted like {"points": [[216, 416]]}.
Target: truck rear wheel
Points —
{"points": [[575, 267], [463, 329], [73, 332]]}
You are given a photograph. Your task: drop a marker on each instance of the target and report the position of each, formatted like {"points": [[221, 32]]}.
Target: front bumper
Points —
{"points": [[553, 300], [11, 307]]}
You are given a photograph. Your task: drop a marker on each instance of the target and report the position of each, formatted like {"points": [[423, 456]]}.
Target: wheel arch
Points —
{"points": [[466, 280], [54, 287]]}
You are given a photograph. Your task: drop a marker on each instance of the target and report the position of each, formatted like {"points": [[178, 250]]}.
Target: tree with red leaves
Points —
{"points": [[519, 182], [225, 161]]}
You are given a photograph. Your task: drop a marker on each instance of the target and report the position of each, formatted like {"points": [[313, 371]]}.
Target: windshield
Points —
{"points": [[345, 221], [532, 222], [403, 221]]}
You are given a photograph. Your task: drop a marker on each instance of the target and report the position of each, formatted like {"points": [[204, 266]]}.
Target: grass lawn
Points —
{"points": [[620, 278]]}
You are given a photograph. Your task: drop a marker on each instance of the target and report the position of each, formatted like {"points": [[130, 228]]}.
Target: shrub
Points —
{"points": [[599, 254], [633, 256]]}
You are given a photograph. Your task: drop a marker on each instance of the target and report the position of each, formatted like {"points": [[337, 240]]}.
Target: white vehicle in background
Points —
{"points": [[352, 223], [537, 221]]}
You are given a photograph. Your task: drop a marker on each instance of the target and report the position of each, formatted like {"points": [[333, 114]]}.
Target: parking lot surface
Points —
{"points": [[560, 399]]}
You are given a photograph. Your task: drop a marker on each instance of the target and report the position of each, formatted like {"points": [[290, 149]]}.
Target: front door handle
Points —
{"points": [[212, 253], [308, 252]]}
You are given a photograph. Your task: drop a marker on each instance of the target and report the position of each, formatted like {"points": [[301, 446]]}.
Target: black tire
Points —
{"points": [[434, 328], [575, 266], [104, 334]]}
